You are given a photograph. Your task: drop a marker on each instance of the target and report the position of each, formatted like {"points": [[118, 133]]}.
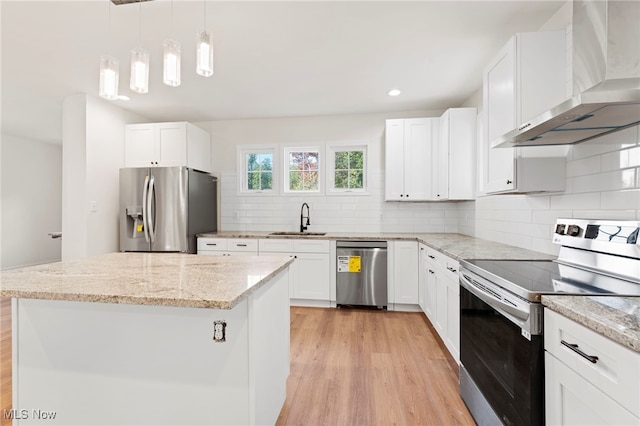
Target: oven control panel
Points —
{"points": [[599, 235]]}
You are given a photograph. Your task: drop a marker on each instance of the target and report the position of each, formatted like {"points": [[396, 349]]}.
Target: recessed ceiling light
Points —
{"points": [[123, 98], [394, 92]]}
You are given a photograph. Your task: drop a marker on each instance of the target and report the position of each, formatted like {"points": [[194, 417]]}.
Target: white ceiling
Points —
{"points": [[272, 59]]}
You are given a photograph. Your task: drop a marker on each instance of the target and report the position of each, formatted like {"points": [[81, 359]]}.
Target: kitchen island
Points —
{"points": [[150, 338]]}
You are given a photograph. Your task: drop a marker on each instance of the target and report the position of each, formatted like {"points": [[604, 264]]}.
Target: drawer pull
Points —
{"points": [[241, 245], [212, 244], [591, 358], [451, 269]]}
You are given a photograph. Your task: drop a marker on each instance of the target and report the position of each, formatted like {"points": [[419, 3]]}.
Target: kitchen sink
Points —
{"points": [[284, 233]]}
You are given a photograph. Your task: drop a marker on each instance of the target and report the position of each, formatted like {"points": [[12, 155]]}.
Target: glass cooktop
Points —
{"points": [[530, 279]]}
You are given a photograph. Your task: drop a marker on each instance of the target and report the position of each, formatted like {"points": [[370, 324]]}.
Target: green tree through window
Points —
{"points": [[349, 170], [259, 171]]}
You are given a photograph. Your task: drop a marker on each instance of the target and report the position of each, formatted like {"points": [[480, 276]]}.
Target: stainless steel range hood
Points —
{"points": [[606, 79]]}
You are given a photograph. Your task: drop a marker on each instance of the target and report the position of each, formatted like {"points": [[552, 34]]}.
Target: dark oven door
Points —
{"points": [[506, 366]]}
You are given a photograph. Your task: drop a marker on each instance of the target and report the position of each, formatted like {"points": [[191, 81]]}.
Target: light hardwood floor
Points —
{"points": [[364, 367], [348, 367]]}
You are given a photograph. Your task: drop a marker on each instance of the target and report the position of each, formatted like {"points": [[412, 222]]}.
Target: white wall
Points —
{"points": [[31, 201], [367, 213], [93, 153]]}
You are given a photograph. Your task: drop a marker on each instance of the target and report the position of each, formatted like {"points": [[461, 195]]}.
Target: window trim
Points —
{"points": [[332, 148], [285, 169], [242, 152]]}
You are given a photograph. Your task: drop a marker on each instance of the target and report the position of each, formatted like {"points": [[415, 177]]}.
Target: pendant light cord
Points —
{"points": [[109, 27], [205, 14], [140, 22]]}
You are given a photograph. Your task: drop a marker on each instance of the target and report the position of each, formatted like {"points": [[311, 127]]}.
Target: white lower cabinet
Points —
{"points": [[228, 246], [402, 275], [310, 282], [442, 298], [579, 391]]}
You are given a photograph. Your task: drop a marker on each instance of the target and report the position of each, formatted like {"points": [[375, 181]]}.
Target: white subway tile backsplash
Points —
{"points": [[574, 201], [585, 166], [605, 214], [609, 143], [616, 180], [621, 159], [621, 200]]}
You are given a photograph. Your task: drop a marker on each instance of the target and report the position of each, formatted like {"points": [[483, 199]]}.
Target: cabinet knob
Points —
{"points": [[407, 195], [401, 195], [509, 182]]}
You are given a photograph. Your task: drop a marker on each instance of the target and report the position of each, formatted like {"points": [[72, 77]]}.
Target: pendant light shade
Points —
{"points": [[109, 76], [139, 82], [171, 62], [204, 54]]}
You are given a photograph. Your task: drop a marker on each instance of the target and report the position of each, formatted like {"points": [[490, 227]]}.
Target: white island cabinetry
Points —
{"points": [[150, 338], [601, 386]]}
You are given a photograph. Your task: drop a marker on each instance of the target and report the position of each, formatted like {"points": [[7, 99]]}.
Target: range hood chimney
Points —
{"points": [[606, 79]]}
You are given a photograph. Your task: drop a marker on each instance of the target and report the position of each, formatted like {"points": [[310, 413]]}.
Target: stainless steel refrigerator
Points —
{"points": [[163, 208]]}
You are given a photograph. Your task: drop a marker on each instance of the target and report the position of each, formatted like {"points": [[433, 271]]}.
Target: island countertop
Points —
{"points": [[165, 279]]}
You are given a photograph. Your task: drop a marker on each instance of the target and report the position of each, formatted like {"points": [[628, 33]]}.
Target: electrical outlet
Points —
{"points": [[219, 331], [93, 206], [236, 215]]}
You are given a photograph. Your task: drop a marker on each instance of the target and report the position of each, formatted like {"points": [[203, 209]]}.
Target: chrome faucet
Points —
{"points": [[302, 226]]}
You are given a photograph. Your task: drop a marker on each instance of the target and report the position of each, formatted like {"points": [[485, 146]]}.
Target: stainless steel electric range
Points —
{"points": [[501, 317]]}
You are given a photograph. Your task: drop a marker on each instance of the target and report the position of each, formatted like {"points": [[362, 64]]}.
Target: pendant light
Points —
{"points": [[171, 59], [109, 72], [204, 47], [139, 82]]}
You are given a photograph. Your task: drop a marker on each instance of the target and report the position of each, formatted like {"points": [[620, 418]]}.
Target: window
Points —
{"points": [[257, 170], [348, 168], [303, 169]]}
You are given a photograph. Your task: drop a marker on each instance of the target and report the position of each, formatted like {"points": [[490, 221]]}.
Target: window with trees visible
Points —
{"points": [[302, 170], [348, 168], [258, 170]]}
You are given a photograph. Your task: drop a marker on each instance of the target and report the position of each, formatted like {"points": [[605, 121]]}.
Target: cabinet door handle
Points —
{"points": [[431, 272], [509, 182], [431, 257], [591, 358]]}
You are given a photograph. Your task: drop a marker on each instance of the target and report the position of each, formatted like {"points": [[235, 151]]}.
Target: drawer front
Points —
{"points": [[616, 372], [242, 244], [311, 246], [212, 244], [276, 245]]}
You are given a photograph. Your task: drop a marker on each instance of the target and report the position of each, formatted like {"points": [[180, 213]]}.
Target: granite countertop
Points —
{"points": [[456, 246], [615, 317], [166, 279]]}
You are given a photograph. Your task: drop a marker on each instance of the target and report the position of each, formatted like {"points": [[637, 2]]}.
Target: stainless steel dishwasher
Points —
{"points": [[361, 273]]}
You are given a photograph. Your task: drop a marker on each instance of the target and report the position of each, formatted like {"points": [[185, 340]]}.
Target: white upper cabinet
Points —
{"points": [[408, 150], [526, 78], [454, 156], [167, 145]]}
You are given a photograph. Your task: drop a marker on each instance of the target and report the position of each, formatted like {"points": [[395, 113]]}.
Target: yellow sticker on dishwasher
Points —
{"points": [[354, 264]]}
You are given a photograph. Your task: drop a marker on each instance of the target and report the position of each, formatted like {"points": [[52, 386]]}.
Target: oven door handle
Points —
{"points": [[493, 301]]}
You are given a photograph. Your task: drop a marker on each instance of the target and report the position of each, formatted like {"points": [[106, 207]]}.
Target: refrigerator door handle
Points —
{"points": [[151, 219], [145, 220]]}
